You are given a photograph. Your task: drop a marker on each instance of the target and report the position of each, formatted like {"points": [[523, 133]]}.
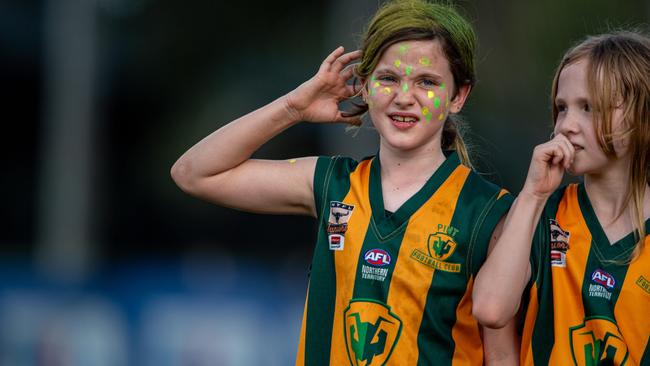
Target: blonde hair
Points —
{"points": [[618, 76]]}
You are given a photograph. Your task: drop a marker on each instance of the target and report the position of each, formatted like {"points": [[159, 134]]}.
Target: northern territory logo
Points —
{"points": [[371, 332], [378, 260], [440, 246], [597, 341], [559, 244], [337, 224]]}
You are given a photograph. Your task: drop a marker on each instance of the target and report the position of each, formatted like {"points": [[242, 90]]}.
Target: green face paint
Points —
{"points": [[442, 86], [436, 102], [405, 87], [409, 70], [424, 61], [403, 48]]}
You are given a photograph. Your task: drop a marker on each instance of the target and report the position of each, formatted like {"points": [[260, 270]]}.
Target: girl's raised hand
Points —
{"points": [[547, 166], [317, 99]]}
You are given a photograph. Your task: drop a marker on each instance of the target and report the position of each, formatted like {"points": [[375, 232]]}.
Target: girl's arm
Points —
{"points": [[501, 346], [219, 169], [502, 278]]}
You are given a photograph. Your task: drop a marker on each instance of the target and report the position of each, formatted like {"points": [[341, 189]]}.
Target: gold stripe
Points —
{"points": [[411, 280], [526, 352], [300, 358], [466, 333]]}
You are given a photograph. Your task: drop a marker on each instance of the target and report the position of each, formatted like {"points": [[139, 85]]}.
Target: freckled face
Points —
{"points": [[409, 95]]}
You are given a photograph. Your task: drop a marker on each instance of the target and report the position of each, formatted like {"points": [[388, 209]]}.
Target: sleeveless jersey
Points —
{"points": [[584, 309], [395, 289]]}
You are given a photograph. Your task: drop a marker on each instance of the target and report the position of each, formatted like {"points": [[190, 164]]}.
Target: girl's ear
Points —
{"points": [[459, 100]]}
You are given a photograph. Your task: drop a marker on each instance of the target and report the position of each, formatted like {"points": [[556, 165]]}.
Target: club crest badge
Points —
{"points": [[559, 244], [371, 332], [337, 224], [597, 341], [440, 246]]}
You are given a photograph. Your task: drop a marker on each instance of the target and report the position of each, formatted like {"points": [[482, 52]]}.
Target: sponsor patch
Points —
{"points": [[559, 244], [603, 278], [336, 241], [377, 257]]}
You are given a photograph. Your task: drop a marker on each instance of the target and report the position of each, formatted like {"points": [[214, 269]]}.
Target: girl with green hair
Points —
{"points": [[402, 234]]}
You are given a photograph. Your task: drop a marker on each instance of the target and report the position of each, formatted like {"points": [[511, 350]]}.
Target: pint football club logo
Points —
{"points": [[337, 224], [597, 341], [440, 246], [371, 332], [559, 244]]}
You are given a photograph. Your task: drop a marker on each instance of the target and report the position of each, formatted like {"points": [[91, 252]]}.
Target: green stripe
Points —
{"points": [[435, 343], [331, 183], [377, 289]]}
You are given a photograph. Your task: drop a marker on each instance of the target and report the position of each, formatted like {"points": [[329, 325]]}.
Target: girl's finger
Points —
{"points": [[329, 60], [345, 59]]}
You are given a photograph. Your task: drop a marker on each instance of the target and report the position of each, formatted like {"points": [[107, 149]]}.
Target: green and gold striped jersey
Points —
{"points": [[587, 305], [395, 288]]}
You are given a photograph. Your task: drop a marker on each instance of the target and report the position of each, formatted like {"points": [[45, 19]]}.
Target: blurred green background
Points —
{"points": [[99, 98]]}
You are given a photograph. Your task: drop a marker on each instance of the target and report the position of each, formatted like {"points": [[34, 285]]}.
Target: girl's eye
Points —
{"points": [[560, 108], [387, 79], [427, 83], [586, 107]]}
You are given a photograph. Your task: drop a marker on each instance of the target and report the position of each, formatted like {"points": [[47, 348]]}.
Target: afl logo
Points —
{"points": [[377, 257], [603, 278]]}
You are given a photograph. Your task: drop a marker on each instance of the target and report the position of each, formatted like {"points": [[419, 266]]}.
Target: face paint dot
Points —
{"points": [[397, 63], [436, 102], [430, 94], [441, 116], [371, 92], [447, 102], [403, 48], [405, 87], [292, 161], [409, 70], [386, 90], [442, 86], [376, 85], [373, 78], [424, 61], [427, 114]]}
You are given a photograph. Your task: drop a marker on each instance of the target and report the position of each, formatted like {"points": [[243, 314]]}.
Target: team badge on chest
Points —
{"points": [[559, 244], [337, 224]]}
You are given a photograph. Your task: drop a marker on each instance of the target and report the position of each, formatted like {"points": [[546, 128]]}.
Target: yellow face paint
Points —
{"points": [[292, 161], [427, 114], [397, 63], [430, 94], [376, 85], [441, 116], [424, 61], [386, 90]]}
